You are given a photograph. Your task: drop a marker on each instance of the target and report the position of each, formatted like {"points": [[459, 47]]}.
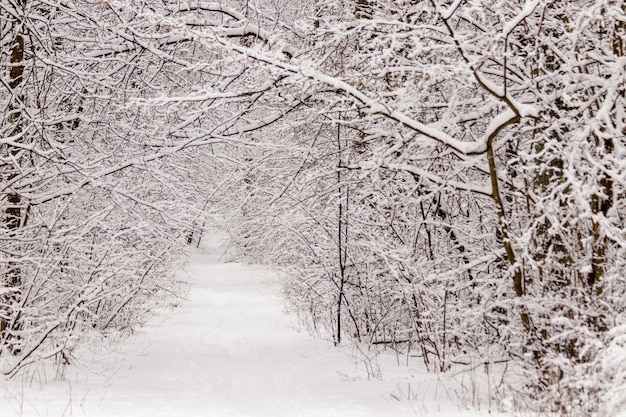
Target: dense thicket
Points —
{"points": [[443, 177], [461, 193]]}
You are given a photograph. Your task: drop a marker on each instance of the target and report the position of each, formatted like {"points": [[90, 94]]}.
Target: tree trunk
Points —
{"points": [[14, 212]]}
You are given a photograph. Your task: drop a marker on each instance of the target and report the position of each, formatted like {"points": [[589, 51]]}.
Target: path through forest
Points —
{"points": [[230, 350]]}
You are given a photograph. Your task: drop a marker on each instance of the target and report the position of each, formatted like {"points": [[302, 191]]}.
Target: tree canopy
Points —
{"points": [[443, 177]]}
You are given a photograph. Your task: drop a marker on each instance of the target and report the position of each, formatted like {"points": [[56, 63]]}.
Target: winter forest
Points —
{"points": [[444, 177]]}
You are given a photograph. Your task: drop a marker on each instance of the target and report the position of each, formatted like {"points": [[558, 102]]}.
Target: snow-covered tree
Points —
{"points": [[484, 192], [443, 176]]}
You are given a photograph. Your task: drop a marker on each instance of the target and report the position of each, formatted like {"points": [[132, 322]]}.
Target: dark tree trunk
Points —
{"points": [[15, 217]]}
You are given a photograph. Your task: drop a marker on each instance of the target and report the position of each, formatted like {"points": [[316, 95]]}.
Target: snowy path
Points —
{"points": [[229, 351]]}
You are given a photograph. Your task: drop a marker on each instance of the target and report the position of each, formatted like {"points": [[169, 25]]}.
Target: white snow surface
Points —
{"points": [[232, 350]]}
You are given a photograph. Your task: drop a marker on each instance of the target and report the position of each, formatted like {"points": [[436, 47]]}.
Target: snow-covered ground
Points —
{"points": [[231, 350]]}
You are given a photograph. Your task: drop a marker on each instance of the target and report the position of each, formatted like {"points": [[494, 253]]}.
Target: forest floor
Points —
{"points": [[230, 349]]}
